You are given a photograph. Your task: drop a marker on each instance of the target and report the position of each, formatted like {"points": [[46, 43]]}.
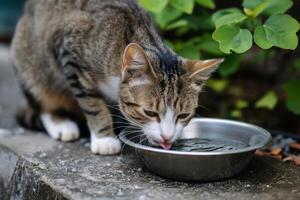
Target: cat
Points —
{"points": [[73, 58]]}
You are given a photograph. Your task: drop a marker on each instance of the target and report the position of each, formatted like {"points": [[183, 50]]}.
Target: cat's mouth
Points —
{"points": [[166, 145]]}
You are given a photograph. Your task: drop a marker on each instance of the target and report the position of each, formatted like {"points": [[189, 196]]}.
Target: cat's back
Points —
{"points": [[46, 18], [40, 10], [103, 27]]}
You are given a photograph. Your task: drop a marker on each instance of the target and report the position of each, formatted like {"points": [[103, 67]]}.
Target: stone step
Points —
{"points": [[33, 166]]}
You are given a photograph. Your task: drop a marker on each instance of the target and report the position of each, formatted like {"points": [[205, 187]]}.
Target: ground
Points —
{"points": [[33, 166]]}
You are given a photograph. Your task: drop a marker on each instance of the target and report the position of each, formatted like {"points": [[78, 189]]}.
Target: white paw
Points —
{"points": [[105, 145], [64, 130]]}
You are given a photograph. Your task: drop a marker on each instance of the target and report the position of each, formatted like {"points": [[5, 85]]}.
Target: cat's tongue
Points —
{"points": [[165, 145]]}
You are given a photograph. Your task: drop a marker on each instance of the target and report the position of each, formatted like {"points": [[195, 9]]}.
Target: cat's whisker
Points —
{"points": [[127, 119], [133, 121], [140, 135], [141, 141], [113, 115], [126, 133], [141, 144], [135, 137], [204, 107], [121, 127], [114, 107]]}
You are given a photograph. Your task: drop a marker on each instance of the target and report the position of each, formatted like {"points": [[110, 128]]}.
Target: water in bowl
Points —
{"points": [[207, 145]]}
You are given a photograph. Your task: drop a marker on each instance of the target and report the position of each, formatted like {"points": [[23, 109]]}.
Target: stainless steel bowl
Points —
{"points": [[203, 166]]}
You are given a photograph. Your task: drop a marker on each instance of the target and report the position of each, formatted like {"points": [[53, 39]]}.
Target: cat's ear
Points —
{"points": [[136, 67], [201, 70]]}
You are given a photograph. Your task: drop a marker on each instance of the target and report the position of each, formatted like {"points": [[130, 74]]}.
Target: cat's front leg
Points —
{"points": [[99, 119], [103, 139]]}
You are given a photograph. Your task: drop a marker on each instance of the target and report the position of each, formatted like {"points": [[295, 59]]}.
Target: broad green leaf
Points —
{"points": [[207, 3], [230, 65], [223, 12], [273, 6], [154, 5], [209, 45], [183, 5], [279, 30], [166, 16], [233, 38], [218, 85], [260, 38], [269, 100], [231, 18], [292, 89]]}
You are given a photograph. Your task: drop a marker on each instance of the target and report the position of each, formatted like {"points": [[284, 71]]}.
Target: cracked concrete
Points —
{"points": [[33, 166]]}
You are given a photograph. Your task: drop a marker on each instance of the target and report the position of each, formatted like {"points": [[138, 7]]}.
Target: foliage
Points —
{"points": [[196, 29], [269, 101], [292, 88]]}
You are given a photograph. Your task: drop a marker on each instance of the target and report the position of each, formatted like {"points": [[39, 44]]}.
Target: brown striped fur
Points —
{"points": [[65, 50]]}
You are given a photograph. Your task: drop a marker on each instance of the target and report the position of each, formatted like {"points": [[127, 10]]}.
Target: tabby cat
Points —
{"points": [[74, 58]]}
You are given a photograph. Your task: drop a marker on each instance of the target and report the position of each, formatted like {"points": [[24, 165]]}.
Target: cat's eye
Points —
{"points": [[183, 115], [151, 113]]}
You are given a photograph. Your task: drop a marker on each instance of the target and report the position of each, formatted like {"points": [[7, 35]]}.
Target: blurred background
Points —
{"points": [[260, 80]]}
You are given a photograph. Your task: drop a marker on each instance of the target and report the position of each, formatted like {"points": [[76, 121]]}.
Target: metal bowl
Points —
{"points": [[203, 166]]}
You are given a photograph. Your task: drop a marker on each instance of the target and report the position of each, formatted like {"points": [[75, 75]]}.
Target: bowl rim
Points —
{"points": [[196, 119]]}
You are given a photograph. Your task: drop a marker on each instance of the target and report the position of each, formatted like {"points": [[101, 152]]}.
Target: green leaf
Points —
{"points": [[279, 30], [218, 85], [206, 24], [269, 100], [241, 104], [260, 38], [207, 3], [257, 10], [154, 5], [166, 16], [236, 113], [223, 12], [273, 6], [177, 24], [231, 18], [291, 88], [233, 38], [188, 50], [230, 65], [209, 45], [183, 5]]}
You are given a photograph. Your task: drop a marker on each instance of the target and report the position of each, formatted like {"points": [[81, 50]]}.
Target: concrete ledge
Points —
{"points": [[33, 166]]}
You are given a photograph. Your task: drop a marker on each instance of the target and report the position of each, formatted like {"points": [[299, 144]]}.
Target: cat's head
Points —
{"points": [[161, 104]]}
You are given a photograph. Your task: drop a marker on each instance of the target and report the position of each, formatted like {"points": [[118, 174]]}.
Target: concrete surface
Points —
{"points": [[33, 166]]}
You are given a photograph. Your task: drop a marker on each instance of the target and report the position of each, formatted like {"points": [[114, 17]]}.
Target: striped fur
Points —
{"points": [[66, 53]]}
